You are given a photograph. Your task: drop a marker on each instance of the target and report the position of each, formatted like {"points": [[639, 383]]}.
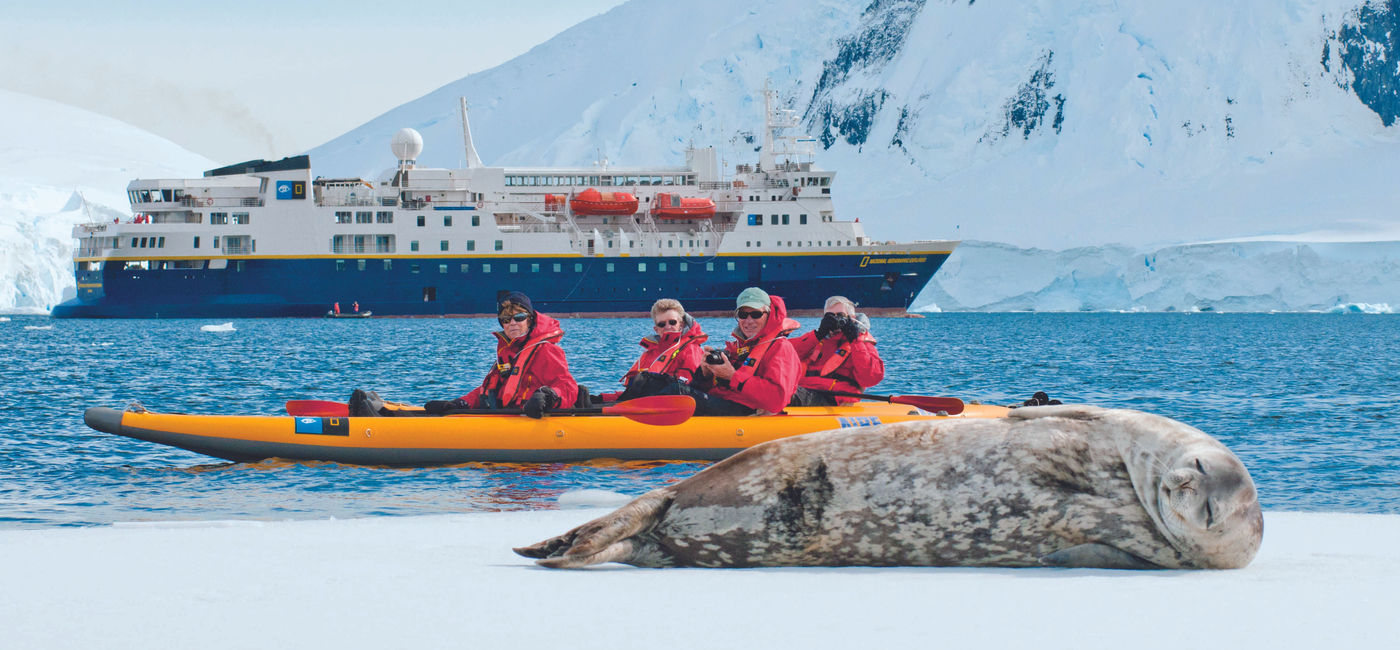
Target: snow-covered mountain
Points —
{"points": [[1100, 142], [1051, 123], [55, 158]]}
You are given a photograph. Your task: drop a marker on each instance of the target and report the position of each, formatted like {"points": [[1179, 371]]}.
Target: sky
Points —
{"points": [[263, 78]]}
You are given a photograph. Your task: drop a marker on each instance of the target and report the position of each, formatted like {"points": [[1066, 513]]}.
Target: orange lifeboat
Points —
{"points": [[554, 202], [674, 206], [593, 202]]}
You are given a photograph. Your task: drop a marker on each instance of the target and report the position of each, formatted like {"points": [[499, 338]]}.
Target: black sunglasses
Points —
{"points": [[744, 313], [664, 323], [519, 318]]}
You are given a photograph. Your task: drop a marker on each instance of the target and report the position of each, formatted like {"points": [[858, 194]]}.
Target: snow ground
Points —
{"points": [[1320, 580]]}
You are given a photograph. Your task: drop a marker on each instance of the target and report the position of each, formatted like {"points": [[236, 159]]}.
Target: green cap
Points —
{"points": [[755, 298]]}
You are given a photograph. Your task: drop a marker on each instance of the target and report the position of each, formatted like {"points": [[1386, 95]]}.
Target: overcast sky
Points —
{"points": [[262, 78]]}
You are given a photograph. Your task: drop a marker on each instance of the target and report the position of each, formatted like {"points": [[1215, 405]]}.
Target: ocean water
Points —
{"points": [[1308, 401]]}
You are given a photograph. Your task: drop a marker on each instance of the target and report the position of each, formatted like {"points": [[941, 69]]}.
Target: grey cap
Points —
{"points": [[754, 297]]}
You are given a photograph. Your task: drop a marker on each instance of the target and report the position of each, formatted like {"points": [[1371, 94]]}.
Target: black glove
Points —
{"points": [[830, 323], [850, 328], [544, 399], [440, 406]]}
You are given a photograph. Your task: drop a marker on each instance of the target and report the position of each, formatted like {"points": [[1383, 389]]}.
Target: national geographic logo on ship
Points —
{"points": [[868, 260]]}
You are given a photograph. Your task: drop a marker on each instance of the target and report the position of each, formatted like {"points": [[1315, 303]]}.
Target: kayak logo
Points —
{"points": [[291, 190], [865, 421], [323, 426]]}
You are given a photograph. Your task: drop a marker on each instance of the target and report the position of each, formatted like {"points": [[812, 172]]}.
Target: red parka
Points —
{"points": [[838, 364], [767, 385], [673, 353], [526, 364]]}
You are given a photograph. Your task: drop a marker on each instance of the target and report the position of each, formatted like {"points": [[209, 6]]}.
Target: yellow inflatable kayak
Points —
{"points": [[452, 439]]}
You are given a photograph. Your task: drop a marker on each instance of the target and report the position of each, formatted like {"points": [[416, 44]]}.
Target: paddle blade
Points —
{"points": [[949, 405], [317, 408], [659, 410]]}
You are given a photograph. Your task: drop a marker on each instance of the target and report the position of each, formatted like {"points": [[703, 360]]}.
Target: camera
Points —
{"points": [[714, 357]]}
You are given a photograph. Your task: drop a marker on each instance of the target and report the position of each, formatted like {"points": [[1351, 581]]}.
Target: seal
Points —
{"points": [[1062, 486]]}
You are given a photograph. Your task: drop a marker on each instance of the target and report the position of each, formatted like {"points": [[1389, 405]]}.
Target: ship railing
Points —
{"points": [[238, 249], [717, 185], [338, 201], [218, 202]]}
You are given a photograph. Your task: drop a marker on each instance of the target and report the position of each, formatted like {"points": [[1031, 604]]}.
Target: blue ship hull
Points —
{"points": [[257, 287]]}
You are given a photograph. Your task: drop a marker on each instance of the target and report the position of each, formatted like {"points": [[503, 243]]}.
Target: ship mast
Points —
{"points": [[778, 146], [473, 160]]}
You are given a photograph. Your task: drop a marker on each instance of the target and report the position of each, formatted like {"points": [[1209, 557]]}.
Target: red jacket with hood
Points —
{"points": [[827, 367], [526, 364], [774, 377], [673, 353]]}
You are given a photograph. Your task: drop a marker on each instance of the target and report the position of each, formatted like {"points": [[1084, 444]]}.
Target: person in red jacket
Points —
{"points": [[758, 371], [673, 351], [838, 356], [530, 373]]}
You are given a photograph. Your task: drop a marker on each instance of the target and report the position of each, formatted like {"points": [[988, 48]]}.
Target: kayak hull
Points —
{"points": [[424, 441]]}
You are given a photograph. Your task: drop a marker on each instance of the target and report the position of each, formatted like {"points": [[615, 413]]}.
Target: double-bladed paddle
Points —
{"points": [[660, 410], [949, 405]]}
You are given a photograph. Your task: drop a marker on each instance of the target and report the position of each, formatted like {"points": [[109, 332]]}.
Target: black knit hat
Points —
{"points": [[514, 298]]}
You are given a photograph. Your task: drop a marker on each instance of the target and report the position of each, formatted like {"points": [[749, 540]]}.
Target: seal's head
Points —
{"points": [[1209, 508], [1198, 492]]}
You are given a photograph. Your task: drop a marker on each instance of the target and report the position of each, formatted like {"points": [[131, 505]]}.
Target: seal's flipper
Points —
{"points": [[1095, 556], [606, 539]]}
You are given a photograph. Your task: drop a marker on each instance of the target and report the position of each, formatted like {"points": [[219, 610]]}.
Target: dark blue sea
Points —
{"points": [[1308, 401]]}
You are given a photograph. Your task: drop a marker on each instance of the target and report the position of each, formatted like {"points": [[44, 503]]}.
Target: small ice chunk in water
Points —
{"points": [[593, 499], [225, 327]]}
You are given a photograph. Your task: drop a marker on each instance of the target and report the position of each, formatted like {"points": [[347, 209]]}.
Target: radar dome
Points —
{"points": [[407, 144]]}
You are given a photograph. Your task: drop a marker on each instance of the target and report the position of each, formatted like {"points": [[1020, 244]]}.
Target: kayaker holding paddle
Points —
{"points": [[839, 355], [531, 372]]}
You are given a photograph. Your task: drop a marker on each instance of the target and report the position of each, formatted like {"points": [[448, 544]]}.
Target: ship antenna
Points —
{"points": [[473, 160]]}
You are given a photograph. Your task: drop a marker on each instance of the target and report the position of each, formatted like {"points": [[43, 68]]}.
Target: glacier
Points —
{"points": [[60, 166], [1237, 276]]}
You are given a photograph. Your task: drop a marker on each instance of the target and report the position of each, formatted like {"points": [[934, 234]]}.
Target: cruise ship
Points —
{"points": [[269, 239]]}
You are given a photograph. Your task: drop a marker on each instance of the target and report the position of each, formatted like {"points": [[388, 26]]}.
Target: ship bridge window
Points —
{"points": [[605, 181], [240, 218], [383, 243], [668, 180], [221, 218], [340, 217], [384, 217], [364, 216]]}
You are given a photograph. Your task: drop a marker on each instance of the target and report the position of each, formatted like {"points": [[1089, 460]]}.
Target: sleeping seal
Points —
{"points": [[1065, 486]]}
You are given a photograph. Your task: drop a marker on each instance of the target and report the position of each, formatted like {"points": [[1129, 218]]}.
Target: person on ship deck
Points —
{"points": [[755, 375], [531, 371], [838, 356], [674, 350]]}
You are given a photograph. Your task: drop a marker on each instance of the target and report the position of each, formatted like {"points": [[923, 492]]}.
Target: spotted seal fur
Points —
{"points": [[1065, 486]]}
